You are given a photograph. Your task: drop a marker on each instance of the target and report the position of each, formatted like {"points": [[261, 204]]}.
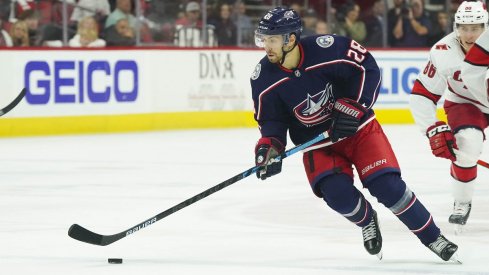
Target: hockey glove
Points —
{"points": [[442, 140], [346, 115], [266, 150]]}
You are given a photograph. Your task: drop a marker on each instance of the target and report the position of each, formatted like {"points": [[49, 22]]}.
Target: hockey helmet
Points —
{"points": [[471, 13], [278, 21]]}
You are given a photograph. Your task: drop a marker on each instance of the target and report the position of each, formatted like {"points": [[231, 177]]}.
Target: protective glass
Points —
{"points": [[269, 41]]}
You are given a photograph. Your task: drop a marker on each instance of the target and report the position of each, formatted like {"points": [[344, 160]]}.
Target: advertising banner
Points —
{"points": [[65, 83]]}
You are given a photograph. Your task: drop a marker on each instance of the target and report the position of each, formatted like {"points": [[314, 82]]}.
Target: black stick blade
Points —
{"points": [[82, 234], [13, 103]]}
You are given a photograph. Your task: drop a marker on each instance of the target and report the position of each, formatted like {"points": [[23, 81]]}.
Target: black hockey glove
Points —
{"points": [[346, 114], [266, 150]]}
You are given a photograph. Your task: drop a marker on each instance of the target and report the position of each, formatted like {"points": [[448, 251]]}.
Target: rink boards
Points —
{"points": [[128, 89]]}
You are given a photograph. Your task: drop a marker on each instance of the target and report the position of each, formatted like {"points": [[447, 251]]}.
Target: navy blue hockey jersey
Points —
{"points": [[301, 100]]}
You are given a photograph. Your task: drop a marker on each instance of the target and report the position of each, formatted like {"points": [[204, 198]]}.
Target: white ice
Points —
{"points": [[109, 183]]}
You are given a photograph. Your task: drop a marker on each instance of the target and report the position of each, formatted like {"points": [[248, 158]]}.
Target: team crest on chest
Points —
{"points": [[325, 41], [315, 109], [256, 72]]}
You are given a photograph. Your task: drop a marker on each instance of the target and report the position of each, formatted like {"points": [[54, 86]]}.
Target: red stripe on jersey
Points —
{"points": [[419, 89], [477, 56], [413, 200], [258, 112], [366, 212], [463, 97], [424, 226], [376, 94]]}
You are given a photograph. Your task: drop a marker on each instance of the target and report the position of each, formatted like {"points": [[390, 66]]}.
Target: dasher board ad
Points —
{"points": [[71, 82]]}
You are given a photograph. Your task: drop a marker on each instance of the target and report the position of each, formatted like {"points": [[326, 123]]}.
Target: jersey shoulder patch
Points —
{"points": [[325, 41], [256, 72]]}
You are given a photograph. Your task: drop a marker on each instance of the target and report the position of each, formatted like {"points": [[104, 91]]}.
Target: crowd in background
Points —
{"points": [[223, 23]]}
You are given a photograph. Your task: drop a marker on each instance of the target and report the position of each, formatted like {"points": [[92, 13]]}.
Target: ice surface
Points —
{"points": [[109, 183]]}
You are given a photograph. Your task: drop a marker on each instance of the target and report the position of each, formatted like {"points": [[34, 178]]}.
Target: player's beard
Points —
{"points": [[274, 57]]}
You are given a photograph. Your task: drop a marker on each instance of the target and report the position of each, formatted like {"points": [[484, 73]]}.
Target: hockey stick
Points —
{"points": [[82, 234], [13, 103], [483, 163]]}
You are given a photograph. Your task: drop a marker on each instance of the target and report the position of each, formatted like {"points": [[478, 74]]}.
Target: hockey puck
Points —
{"points": [[115, 261]]}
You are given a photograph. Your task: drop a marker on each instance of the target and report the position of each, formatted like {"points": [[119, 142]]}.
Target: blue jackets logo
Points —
{"points": [[317, 108], [69, 81]]}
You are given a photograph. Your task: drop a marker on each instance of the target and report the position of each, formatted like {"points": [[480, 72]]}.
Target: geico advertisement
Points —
{"points": [[74, 82], [399, 71]]}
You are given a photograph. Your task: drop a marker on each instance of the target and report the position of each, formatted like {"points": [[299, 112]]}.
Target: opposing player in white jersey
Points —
{"points": [[460, 140], [475, 73]]}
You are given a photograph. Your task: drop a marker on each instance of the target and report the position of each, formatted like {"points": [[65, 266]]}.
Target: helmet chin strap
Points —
{"points": [[462, 45], [284, 52]]}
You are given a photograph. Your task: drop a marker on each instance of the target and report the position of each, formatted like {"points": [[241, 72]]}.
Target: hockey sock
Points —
{"points": [[391, 191], [341, 195]]}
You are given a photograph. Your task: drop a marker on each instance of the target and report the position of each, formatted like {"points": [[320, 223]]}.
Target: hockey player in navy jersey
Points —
{"points": [[330, 83]]}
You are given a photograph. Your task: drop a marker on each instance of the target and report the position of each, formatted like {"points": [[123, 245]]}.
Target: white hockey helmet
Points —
{"points": [[471, 13]]}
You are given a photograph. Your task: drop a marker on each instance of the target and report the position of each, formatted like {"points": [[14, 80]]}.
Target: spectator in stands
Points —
{"points": [[351, 26], [375, 25], [160, 20], [244, 25], [19, 32], [31, 18], [5, 10], [22, 6], [393, 16], [99, 9], [192, 16], [5, 40], [321, 27], [188, 30], [51, 11], [225, 29], [87, 34], [412, 26], [452, 9], [297, 7], [332, 19], [120, 34], [440, 29], [309, 20], [122, 11]]}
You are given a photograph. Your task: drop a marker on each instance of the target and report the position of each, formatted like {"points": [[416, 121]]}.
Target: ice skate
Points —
{"points": [[372, 239], [445, 249], [461, 212]]}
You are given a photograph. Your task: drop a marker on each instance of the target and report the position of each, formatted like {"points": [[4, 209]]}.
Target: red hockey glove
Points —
{"points": [[266, 150], [346, 114], [442, 140]]}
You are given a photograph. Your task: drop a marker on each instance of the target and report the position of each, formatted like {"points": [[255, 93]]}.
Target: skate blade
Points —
{"points": [[455, 259], [459, 229], [379, 255]]}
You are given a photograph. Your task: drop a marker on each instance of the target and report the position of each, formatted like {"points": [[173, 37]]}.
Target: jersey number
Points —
{"points": [[356, 52], [429, 70]]}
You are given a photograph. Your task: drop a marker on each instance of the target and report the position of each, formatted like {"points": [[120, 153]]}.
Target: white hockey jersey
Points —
{"points": [[475, 71], [442, 76]]}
